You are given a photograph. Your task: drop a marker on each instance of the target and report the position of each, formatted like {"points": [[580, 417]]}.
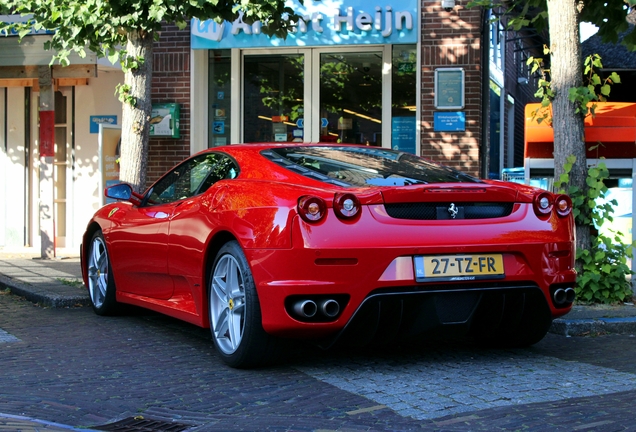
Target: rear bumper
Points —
{"points": [[517, 313], [335, 259]]}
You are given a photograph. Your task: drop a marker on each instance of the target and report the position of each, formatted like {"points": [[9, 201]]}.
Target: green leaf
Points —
{"points": [[605, 90], [114, 57]]}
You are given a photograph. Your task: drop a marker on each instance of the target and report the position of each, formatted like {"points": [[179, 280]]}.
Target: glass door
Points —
{"points": [[273, 97]]}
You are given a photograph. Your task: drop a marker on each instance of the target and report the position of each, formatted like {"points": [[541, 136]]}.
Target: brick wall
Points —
{"points": [[452, 39], [171, 83]]}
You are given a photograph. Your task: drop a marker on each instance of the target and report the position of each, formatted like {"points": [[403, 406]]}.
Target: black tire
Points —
{"points": [[101, 284], [235, 312]]}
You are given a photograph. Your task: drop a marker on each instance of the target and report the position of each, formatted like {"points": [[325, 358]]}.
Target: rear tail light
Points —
{"points": [[346, 206], [545, 202], [312, 209], [563, 205]]}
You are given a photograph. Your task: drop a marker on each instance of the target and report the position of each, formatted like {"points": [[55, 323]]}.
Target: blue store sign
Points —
{"points": [[329, 22], [96, 120], [449, 121]]}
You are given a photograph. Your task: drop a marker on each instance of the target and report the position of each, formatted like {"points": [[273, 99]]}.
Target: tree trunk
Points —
{"points": [[136, 117], [568, 126]]}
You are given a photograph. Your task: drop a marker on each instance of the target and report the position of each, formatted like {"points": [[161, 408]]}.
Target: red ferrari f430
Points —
{"points": [[333, 242]]}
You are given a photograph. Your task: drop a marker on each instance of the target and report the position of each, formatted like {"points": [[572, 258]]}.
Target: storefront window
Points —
{"points": [[619, 194], [316, 94], [351, 97], [403, 98], [219, 98]]}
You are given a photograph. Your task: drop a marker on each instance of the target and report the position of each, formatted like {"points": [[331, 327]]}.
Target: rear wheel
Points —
{"points": [[235, 314], [101, 285]]}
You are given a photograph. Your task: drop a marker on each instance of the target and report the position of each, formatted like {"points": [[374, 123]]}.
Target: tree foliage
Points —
{"points": [[584, 98], [103, 26], [124, 31], [608, 15]]}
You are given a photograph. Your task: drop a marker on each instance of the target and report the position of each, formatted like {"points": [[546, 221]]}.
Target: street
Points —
{"points": [[70, 366]]}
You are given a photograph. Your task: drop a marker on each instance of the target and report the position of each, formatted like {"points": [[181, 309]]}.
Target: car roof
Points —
{"points": [[230, 148]]}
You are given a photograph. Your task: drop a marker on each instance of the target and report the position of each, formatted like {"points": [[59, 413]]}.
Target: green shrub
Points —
{"points": [[604, 276]]}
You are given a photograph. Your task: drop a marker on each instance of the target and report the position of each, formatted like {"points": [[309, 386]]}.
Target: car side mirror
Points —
{"points": [[121, 191]]}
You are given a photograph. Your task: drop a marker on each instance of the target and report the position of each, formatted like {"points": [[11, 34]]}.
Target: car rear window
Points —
{"points": [[363, 166]]}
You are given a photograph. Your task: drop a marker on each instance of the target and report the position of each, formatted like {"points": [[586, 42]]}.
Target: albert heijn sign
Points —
{"points": [[329, 22]]}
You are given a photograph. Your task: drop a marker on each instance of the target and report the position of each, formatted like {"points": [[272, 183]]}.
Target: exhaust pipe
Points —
{"points": [[570, 295], [559, 296], [329, 308], [305, 308]]}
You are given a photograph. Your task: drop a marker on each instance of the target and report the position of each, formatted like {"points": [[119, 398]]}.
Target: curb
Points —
{"points": [[44, 297], [582, 327]]}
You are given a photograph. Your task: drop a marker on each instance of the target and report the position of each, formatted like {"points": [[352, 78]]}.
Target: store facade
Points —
{"points": [[418, 76], [348, 73]]}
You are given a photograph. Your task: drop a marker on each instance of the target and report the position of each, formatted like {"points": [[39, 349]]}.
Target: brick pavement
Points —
{"points": [[72, 367]]}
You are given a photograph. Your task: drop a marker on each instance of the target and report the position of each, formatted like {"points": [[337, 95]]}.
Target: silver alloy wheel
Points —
{"points": [[227, 304], [98, 272]]}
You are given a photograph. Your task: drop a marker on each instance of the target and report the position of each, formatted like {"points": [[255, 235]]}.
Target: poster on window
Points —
{"points": [[109, 151], [403, 134]]}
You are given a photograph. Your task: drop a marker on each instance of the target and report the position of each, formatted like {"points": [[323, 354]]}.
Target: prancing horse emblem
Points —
{"points": [[453, 210]]}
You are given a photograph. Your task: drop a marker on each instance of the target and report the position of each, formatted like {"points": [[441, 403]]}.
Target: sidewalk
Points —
{"points": [[48, 282], [58, 283]]}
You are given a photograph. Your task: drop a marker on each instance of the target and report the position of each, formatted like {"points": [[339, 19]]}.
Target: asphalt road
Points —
{"points": [[69, 366]]}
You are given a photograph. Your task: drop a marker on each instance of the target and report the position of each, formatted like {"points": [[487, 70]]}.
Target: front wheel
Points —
{"points": [[101, 285], [235, 314]]}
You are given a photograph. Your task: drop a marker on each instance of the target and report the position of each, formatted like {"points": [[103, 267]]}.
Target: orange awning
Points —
{"points": [[613, 126]]}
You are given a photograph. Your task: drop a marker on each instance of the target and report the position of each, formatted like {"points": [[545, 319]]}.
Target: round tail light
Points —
{"points": [[312, 209], [563, 205], [543, 203], [346, 206]]}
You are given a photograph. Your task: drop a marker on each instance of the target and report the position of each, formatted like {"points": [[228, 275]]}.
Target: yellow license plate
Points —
{"points": [[459, 267]]}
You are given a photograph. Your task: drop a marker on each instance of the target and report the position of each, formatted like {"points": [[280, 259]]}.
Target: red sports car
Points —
{"points": [[333, 242]]}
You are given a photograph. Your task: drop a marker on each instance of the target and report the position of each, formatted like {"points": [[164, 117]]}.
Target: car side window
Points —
{"points": [[192, 177]]}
